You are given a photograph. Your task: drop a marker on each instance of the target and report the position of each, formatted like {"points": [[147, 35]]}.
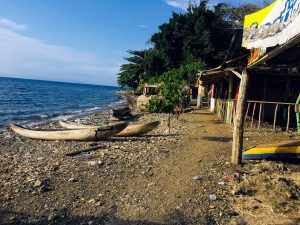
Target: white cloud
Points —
{"points": [[141, 26], [32, 58], [6, 23], [182, 4]]}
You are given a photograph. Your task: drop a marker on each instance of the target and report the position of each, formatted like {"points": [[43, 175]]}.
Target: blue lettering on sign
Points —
{"points": [[290, 11]]}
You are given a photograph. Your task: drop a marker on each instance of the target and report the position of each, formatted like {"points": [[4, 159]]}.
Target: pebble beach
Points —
{"points": [[184, 177]]}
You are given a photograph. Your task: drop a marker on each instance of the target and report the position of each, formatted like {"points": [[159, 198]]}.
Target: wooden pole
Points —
{"points": [[288, 119], [169, 123], [247, 111], [238, 129], [229, 98], [259, 116], [253, 114], [275, 117]]}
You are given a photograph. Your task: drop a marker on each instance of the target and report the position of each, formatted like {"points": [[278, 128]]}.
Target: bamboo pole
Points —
{"points": [[253, 114], [259, 116], [275, 117], [288, 119], [238, 129]]}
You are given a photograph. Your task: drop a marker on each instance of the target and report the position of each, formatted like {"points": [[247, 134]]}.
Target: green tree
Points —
{"points": [[130, 73], [186, 43]]}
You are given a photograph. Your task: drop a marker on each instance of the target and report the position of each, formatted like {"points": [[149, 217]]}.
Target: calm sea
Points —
{"points": [[24, 101]]}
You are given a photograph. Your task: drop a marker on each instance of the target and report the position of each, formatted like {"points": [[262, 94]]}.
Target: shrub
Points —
{"points": [[159, 106]]}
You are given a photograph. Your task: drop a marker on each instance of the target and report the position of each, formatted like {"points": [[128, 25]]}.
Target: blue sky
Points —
{"points": [[81, 41]]}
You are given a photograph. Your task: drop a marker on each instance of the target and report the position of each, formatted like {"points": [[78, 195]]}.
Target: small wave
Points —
{"points": [[122, 101], [93, 109]]}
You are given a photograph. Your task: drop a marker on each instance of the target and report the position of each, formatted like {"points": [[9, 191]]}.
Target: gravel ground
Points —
{"points": [[153, 179]]}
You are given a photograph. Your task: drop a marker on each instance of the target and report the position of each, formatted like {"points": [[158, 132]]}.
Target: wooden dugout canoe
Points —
{"points": [[282, 150], [129, 131], [90, 134]]}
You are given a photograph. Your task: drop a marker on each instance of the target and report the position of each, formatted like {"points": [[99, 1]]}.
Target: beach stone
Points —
{"points": [[53, 216], [198, 177], [92, 200], [72, 179], [212, 197], [37, 183], [92, 163]]}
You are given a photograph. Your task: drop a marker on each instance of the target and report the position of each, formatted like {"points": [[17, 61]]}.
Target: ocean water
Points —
{"points": [[29, 102]]}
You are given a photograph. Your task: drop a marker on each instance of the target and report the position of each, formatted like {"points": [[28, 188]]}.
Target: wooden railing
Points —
{"points": [[256, 105], [277, 105]]}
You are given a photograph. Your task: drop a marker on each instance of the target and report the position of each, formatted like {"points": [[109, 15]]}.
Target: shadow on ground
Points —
{"points": [[218, 139], [65, 218]]}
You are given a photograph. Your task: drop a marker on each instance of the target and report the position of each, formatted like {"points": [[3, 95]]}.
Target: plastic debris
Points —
{"points": [[18, 138], [197, 177], [39, 158], [221, 183], [92, 163], [85, 153], [212, 197], [228, 178], [237, 175]]}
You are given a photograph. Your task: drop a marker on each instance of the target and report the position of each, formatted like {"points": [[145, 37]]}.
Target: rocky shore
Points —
{"points": [[180, 178]]}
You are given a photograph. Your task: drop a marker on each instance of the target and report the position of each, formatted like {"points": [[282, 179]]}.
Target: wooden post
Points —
{"points": [[275, 117], [169, 123], [288, 119], [259, 116], [238, 129], [253, 114], [212, 99], [229, 98], [247, 111]]}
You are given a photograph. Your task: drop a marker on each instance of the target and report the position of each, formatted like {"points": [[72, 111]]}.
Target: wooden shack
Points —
{"points": [[259, 79]]}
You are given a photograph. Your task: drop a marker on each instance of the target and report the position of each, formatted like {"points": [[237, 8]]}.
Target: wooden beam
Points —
{"points": [[238, 129], [237, 74]]}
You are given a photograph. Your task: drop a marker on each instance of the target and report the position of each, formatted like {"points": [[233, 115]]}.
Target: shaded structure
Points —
{"points": [[259, 78]]}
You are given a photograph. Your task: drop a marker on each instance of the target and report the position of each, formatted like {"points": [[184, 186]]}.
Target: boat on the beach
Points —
{"points": [[129, 131], [282, 150], [87, 134]]}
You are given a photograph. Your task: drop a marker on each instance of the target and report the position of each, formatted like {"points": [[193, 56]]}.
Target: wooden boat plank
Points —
{"points": [[129, 131], [282, 150], [70, 134]]}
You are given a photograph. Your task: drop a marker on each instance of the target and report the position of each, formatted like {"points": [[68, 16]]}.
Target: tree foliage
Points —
{"points": [[172, 95], [186, 43]]}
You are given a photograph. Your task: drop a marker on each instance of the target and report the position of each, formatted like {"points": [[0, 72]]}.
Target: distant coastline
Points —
{"points": [[56, 81]]}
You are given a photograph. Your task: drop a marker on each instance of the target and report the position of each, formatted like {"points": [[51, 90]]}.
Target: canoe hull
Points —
{"points": [[69, 135], [287, 150], [136, 130], [129, 131]]}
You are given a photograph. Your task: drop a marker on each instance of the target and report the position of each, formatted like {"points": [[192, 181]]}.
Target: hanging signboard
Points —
{"points": [[273, 25]]}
